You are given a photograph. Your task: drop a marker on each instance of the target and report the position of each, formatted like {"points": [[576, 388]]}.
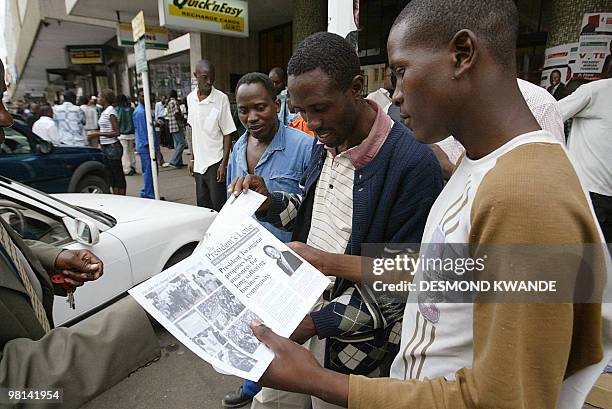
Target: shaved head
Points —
{"points": [[277, 75], [433, 23], [205, 65], [278, 71], [205, 75]]}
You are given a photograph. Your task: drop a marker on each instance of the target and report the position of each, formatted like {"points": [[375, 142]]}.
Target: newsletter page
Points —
{"points": [[240, 272]]}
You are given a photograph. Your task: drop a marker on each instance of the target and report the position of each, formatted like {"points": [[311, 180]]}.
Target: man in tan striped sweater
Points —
{"points": [[457, 56]]}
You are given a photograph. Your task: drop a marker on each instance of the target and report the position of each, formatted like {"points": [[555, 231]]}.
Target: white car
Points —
{"points": [[135, 238]]}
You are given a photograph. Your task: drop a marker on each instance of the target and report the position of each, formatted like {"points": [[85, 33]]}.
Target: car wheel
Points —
{"points": [[180, 255], [92, 184]]}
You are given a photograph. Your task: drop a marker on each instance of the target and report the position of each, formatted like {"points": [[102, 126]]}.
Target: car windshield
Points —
{"points": [[94, 214]]}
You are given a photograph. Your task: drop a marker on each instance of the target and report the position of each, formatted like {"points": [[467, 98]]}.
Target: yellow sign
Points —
{"points": [[155, 37], [86, 56], [138, 26], [229, 17]]}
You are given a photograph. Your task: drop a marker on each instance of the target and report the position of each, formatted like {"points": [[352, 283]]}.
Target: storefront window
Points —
{"points": [[171, 74]]}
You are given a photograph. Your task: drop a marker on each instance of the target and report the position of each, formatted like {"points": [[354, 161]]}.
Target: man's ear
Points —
{"points": [[357, 86], [465, 49], [278, 105]]}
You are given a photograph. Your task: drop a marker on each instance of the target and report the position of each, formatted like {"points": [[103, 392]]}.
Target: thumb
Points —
{"points": [[266, 335], [294, 245], [86, 264]]}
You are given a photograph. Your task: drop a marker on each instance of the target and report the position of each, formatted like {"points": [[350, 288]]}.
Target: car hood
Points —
{"points": [[128, 209]]}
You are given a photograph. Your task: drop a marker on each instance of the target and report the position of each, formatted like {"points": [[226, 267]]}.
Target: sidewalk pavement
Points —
{"points": [[179, 379], [176, 185]]}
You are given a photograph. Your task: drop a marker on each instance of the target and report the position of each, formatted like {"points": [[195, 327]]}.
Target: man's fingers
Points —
{"points": [[72, 283], [246, 183], [267, 336], [236, 186]]}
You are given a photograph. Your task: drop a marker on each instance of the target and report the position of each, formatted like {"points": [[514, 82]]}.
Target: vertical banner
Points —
{"points": [[595, 46], [343, 19]]}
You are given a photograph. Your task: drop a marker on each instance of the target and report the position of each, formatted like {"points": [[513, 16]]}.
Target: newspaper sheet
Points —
{"points": [[239, 272]]}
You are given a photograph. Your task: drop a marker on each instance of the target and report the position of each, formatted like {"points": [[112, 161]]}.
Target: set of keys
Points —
{"points": [[59, 279]]}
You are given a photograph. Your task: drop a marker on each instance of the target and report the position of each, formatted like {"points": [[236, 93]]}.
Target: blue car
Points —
{"points": [[27, 158]]}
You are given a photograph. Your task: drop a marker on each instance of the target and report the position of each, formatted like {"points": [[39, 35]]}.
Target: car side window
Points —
{"points": [[32, 224], [15, 143]]}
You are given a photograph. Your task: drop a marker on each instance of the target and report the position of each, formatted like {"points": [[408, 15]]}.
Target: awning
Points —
{"points": [[49, 51]]}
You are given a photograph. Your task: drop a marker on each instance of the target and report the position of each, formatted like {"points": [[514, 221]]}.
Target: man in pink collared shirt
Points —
{"points": [[369, 181]]}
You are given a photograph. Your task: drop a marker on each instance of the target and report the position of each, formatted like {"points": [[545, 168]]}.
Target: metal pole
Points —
{"points": [[150, 136]]}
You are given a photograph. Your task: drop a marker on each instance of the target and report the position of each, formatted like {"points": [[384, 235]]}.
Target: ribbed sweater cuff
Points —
{"points": [[325, 321], [275, 209]]}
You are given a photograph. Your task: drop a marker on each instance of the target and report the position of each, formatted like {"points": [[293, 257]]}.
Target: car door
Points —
{"points": [[34, 220], [21, 160]]}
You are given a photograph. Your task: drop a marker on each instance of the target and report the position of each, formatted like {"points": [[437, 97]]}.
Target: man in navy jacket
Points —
{"points": [[369, 181]]}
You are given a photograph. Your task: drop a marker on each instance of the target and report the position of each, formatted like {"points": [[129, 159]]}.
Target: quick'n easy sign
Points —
{"points": [[210, 6], [229, 17]]}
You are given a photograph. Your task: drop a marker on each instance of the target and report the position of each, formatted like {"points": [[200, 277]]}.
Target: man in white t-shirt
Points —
{"points": [[45, 126], [70, 121], [88, 106], [590, 144], [212, 128]]}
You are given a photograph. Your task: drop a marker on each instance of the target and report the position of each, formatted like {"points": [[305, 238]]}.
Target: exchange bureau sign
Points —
{"points": [[229, 17]]}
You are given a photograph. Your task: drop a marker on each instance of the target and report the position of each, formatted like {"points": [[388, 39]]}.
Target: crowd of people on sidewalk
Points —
{"points": [[465, 156]]}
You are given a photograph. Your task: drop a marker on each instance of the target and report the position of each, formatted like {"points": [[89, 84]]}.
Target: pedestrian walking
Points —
{"points": [[126, 137], [109, 141], [142, 147], [176, 127]]}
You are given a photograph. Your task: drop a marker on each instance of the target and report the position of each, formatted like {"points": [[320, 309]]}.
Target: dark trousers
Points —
{"points": [[603, 210], [209, 192]]}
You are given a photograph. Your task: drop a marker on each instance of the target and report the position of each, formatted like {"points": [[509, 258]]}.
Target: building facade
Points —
{"points": [[39, 34]]}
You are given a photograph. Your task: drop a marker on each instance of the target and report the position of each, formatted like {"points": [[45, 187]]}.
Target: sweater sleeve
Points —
{"points": [[283, 210], [521, 352]]}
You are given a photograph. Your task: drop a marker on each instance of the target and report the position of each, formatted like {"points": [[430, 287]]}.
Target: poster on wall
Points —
{"points": [[228, 17], [343, 19], [559, 65], [595, 46]]}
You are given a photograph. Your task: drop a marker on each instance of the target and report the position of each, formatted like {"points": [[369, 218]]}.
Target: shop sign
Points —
{"points": [[229, 17], [595, 46], [86, 55], [138, 26], [155, 37]]}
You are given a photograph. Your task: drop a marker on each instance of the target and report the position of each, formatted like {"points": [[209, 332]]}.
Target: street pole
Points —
{"points": [[138, 31]]}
